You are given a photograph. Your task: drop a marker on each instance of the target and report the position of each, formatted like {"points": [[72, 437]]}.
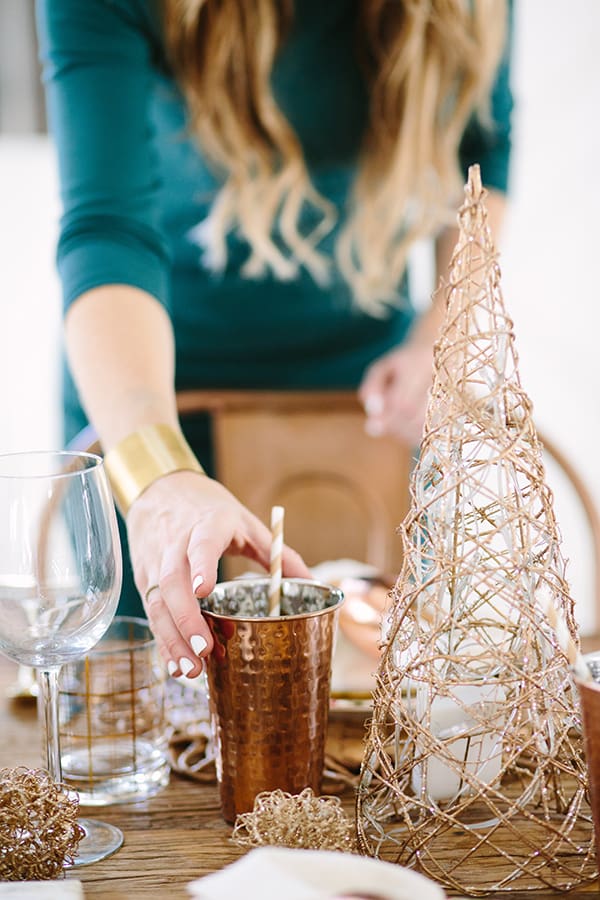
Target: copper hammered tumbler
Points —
{"points": [[269, 686]]}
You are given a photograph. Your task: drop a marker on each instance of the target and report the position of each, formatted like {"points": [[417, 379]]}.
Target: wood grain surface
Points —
{"points": [[173, 838]]}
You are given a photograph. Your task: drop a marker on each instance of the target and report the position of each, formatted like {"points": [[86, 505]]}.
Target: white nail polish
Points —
{"points": [[374, 405], [171, 667], [186, 665], [198, 582], [198, 644]]}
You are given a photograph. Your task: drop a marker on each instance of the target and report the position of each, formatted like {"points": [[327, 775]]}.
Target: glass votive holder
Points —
{"points": [[112, 717], [589, 694], [191, 744], [188, 715]]}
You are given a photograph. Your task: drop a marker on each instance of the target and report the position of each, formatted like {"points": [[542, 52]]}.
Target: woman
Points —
{"points": [[242, 182]]}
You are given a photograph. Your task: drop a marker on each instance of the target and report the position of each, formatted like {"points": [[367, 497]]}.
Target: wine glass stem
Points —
{"points": [[49, 701]]}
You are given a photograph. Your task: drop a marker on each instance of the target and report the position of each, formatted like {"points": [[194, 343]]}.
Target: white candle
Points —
{"points": [[477, 751]]}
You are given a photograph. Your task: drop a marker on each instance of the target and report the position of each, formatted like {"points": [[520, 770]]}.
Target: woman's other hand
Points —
{"points": [[395, 389], [178, 529]]}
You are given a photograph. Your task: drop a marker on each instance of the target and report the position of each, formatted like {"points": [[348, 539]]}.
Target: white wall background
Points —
{"points": [[29, 295], [549, 249], [549, 261]]}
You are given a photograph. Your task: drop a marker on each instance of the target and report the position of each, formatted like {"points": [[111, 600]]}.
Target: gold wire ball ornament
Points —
{"points": [[473, 770], [38, 825], [295, 820]]}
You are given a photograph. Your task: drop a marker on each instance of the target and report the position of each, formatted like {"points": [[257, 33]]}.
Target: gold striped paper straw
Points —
{"points": [[566, 643], [276, 560]]}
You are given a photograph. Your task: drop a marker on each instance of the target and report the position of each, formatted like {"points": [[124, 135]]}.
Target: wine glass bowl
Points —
{"points": [[60, 579]]}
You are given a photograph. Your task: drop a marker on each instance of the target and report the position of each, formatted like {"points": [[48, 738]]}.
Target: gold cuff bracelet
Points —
{"points": [[142, 457]]}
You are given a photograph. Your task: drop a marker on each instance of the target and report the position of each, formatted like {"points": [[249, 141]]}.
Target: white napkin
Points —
{"points": [[351, 668], [42, 890], [270, 873], [333, 570]]}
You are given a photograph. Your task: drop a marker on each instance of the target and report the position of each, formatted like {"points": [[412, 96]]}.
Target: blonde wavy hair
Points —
{"points": [[428, 63]]}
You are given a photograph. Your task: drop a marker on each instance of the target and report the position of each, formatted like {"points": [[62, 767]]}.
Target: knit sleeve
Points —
{"points": [[97, 59]]}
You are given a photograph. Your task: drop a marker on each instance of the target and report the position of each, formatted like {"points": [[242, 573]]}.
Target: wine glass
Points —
{"points": [[60, 579]]}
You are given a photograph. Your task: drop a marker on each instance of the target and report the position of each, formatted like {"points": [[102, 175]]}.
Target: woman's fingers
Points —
{"points": [[175, 617], [177, 537], [210, 538], [380, 380], [395, 391], [172, 666], [251, 538], [372, 394], [293, 565], [190, 638], [374, 381], [180, 655], [171, 644], [259, 549]]}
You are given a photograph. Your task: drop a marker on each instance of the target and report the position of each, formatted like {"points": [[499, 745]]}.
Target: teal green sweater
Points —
{"points": [[134, 186]]}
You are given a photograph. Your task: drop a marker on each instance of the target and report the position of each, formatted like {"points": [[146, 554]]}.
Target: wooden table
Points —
{"points": [[170, 840]]}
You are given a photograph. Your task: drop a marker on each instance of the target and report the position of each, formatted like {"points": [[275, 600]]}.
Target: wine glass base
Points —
{"points": [[100, 840]]}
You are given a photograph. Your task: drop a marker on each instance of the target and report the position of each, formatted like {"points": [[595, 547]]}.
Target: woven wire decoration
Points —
{"points": [[295, 820], [473, 770], [39, 832]]}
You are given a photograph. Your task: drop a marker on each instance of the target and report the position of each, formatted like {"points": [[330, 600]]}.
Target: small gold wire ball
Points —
{"points": [[38, 825], [300, 820]]}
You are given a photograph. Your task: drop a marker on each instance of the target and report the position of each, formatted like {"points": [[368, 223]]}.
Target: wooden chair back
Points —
{"points": [[344, 493]]}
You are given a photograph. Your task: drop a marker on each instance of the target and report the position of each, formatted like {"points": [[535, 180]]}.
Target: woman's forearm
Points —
{"points": [[121, 352]]}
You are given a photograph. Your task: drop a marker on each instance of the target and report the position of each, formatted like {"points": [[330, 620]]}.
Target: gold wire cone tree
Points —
{"points": [[473, 770]]}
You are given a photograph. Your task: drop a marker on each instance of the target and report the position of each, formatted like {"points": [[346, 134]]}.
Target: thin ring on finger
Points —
{"points": [[180, 656], [153, 587]]}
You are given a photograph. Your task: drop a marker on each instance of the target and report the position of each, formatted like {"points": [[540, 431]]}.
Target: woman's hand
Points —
{"points": [[178, 529], [395, 389]]}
